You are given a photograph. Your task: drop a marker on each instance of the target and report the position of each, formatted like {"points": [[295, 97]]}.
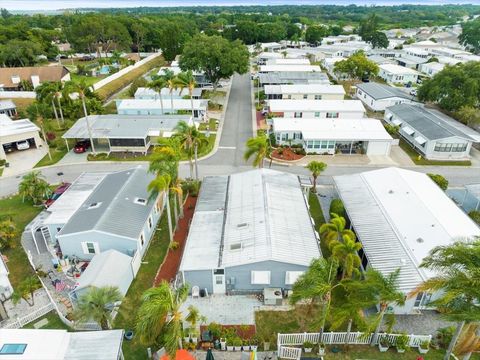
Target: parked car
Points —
{"points": [[23, 145], [81, 146], [57, 193], [265, 110], [8, 148], [413, 92]]}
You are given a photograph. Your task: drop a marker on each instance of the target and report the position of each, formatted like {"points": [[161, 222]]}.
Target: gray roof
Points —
{"points": [[474, 189], [285, 77], [124, 126], [99, 345], [7, 105], [432, 124], [117, 212], [382, 91]]}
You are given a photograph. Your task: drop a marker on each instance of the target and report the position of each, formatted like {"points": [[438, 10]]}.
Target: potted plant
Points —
{"points": [[424, 347], [230, 346], [321, 348], [402, 343], [254, 343], [186, 335], [307, 346], [237, 344], [193, 335], [383, 344]]}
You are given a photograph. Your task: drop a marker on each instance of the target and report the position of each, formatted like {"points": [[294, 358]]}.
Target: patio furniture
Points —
{"points": [[195, 292]]}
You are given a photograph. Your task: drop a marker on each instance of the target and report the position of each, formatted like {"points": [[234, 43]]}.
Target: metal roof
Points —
{"points": [[98, 345], [289, 67], [342, 106], [399, 216], [431, 123], [14, 127], [143, 91], [381, 91], [286, 77], [116, 211], [146, 104], [124, 126], [397, 69], [107, 268], [305, 89], [7, 105], [474, 189]]}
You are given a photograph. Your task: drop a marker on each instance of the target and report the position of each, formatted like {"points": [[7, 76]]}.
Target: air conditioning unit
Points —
{"points": [[272, 296]]}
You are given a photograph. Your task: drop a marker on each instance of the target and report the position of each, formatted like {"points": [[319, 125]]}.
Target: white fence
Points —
{"points": [[124, 71], [20, 322], [17, 94], [289, 353]]}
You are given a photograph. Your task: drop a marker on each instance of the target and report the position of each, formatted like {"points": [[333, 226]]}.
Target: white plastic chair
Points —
{"points": [[195, 292]]}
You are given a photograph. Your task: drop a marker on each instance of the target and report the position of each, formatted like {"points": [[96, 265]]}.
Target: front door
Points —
{"points": [[219, 281]]}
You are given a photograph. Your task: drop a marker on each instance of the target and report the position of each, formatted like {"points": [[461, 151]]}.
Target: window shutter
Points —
{"points": [[96, 247], [84, 247]]}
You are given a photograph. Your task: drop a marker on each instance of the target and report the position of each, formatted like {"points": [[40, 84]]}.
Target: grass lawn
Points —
{"points": [[319, 219], [21, 213], [371, 352], [90, 80], [421, 161], [57, 155], [54, 322], [126, 318], [212, 125], [111, 108], [213, 94]]}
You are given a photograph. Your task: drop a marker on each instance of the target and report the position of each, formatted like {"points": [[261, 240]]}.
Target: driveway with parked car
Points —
{"points": [[23, 157]]}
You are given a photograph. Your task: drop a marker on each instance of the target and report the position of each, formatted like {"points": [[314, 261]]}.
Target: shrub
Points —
{"points": [[439, 180], [140, 82], [215, 329], [307, 345], [174, 245], [99, 156], [425, 344], [402, 342], [336, 207], [192, 187], [475, 216]]}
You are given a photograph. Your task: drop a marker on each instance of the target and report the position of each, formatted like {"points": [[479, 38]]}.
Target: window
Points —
{"points": [[297, 136], [128, 142], [236, 246], [219, 280], [360, 92], [142, 239], [318, 97], [13, 349], [332, 115], [292, 276], [289, 97], [90, 248], [297, 114], [317, 113], [260, 277], [149, 222]]}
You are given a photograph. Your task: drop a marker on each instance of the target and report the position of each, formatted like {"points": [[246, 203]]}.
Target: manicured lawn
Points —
{"points": [[90, 80], [54, 322], [421, 161], [57, 155], [371, 352], [128, 311], [21, 213], [319, 219], [213, 94], [212, 125], [111, 108]]}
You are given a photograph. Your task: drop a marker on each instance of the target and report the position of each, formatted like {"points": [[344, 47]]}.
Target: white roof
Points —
{"points": [[305, 89], [295, 68], [399, 216], [333, 60], [281, 61], [333, 129], [397, 69], [7, 105], [270, 55], [247, 211], [14, 127], [143, 91], [316, 105], [175, 69], [146, 104], [66, 205]]}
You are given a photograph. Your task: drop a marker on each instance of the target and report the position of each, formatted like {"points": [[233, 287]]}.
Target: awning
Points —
{"points": [[396, 122], [408, 130], [420, 139]]}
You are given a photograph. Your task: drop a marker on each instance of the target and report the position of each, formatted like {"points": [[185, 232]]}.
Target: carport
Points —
{"points": [[12, 131]]}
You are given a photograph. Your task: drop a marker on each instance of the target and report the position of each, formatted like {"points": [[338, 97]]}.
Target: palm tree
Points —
{"points": [[162, 184], [385, 292], [26, 289], [187, 80], [259, 147], [172, 86], [316, 286], [34, 187], [335, 230], [8, 233], [97, 305], [83, 90], [46, 92], [190, 139], [316, 167], [159, 318], [457, 276], [157, 85], [346, 253]]}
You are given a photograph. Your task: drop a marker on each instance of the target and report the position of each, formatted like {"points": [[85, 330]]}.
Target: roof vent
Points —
{"points": [[94, 205], [242, 225], [390, 191], [140, 201], [236, 246], [420, 240]]}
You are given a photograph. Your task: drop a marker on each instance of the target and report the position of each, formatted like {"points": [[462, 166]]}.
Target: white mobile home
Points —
{"points": [[162, 107], [399, 216], [293, 77], [143, 93], [290, 68], [396, 74], [378, 96], [305, 92], [12, 131], [321, 109], [283, 61]]}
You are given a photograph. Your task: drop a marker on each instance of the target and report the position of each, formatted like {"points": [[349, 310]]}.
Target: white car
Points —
{"points": [[23, 145], [413, 92]]}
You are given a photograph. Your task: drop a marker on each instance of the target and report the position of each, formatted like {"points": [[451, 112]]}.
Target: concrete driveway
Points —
{"points": [[24, 160]]}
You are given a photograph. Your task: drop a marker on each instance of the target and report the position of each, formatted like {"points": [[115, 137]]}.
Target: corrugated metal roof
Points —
{"points": [[286, 77], [474, 189], [316, 105], [431, 123], [290, 67], [7, 105], [305, 89], [381, 91], [98, 345], [116, 211], [399, 216], [146, 104], [13, 127]]}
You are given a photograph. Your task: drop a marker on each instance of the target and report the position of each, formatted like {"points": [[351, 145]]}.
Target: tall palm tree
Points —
{"points": [[34, 187], [190, 139], [172, 86], [162, 184], [346, 253], [385, 290], [83, 90], [97, 305], [316, 286], [58, 96], [187, 80], [46, 92], [159, 319], [457, 269], [259, 147], [157, 85], [335, 230], [316, 167]]}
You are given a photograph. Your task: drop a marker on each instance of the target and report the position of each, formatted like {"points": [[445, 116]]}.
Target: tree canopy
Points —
{"points": [[356, 66], [470, 35]]}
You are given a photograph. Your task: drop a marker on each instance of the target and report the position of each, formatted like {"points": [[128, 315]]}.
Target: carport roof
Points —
{"points": [[7, 104], [15, 127]]}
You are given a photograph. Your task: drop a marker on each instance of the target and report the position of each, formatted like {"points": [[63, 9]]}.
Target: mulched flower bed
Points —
{"points": [[286, 154]]}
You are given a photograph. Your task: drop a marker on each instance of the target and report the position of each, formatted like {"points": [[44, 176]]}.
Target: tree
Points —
{"points": [[34, 187], [26, 289], [97, 305], [314, 34], [316, 168], [346, 253], [187, 80], [379, 40], [368, 30], [468, 115], [470, 35], [337, 207], [190, 139], [217, 57], [137, 83], [475, 216], [454, 87], [385, 290], [162, 184], [8, 233], [259, 147], [172, 36], [172, 86], [456, 282], [157, 85], [439, 180], [159, 319], [335, 230], [356, 66]]}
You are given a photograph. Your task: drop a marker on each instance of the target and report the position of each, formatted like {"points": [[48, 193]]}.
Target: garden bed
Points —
{"points": [[286, 154]]}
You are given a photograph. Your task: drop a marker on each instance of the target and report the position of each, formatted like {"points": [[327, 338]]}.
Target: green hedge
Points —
{"points": [[336, 207]]}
